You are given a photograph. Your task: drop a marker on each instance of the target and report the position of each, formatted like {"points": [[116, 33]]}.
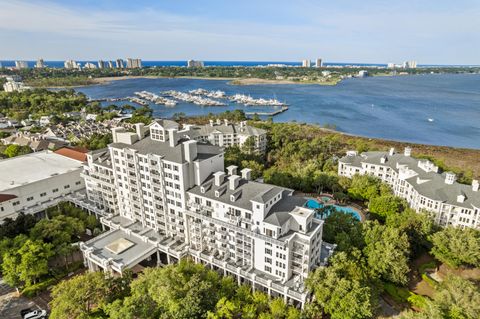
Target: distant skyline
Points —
{"points": [[370, 31]]}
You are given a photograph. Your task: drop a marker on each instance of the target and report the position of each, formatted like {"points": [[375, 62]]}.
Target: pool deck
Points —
{"points": [[319, 198]]}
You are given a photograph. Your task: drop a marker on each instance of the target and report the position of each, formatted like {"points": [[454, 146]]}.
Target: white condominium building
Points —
{"points": [[166, 197], [225, 134], [71, 64], [421, 184], [21, 64], [306, 63], [195, 64], [33, 182], [134, 63]]}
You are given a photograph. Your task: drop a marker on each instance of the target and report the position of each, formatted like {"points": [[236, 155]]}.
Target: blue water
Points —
{"points": [[313, 204], [395, 108]]}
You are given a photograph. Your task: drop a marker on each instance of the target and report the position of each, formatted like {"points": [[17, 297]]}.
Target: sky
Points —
{"points": [[366, 31]]}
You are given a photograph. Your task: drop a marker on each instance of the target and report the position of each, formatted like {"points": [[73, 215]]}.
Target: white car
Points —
{"points": [[36, 314]]}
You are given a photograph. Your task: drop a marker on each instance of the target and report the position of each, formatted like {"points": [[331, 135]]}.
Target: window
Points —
{"points": [[29, 198], [43, 194], [66, 186], [78, 183], [54, 190], [268, 269]]}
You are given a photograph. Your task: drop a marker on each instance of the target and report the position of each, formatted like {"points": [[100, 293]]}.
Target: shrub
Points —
{"points": [[417, 301], [35, 289], [432, 283], [399, 294]]}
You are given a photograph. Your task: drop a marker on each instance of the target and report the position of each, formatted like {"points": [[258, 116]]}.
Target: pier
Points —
{"points": [[273, 113]]}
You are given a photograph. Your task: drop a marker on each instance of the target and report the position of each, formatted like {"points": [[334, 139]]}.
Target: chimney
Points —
{"points": [[408, 151], [219, 122], [475, 185], [242, 124], [211, 122], [225, 121], [233, 182], [219, 178], [450, 178], [246, 174], [172, 137], [232, 170], [392, 151], [140, 130], [115, 131], [190, 150], [383, 159]]}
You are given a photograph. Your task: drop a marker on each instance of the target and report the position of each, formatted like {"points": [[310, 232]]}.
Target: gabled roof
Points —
{"points": [[6, 197]]}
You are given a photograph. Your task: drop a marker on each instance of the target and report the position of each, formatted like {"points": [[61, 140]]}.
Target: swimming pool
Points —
{"points": [[313, 204]]}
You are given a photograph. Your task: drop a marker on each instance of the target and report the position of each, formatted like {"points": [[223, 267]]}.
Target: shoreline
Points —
{"points": [[231, 81]]}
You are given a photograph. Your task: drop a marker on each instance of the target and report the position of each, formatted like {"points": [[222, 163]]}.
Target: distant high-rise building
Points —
{"points": [[101, 64], [410, 64], [90, 65], [318, 63], [195, 64], [21, 64], [110, 64], [134, 63], [306, 63], [40, 64], [391, 65], [119, 64], [71, 64]]}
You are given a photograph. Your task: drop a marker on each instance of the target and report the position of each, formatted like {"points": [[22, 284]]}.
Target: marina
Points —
{"points": [[377, 107]]}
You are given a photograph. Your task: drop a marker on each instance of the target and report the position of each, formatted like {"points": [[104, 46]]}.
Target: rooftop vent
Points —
{"points": [[232, 170], [219, 178], [391, 152], [407, 151], [475, 185], [450, 178]]}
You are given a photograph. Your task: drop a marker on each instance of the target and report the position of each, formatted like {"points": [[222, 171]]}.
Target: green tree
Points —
{"points": [[16, 150], [339, 294], [79, 297], [34, 256], [248, 146], [364, 187], [386, 205], [457, 247], [387, 251], [417, 225], [10, 268], [184, 290], [344, 230], [256, 167], [458, 298]]}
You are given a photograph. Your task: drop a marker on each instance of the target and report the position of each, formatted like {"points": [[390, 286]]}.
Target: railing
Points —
{"points": [[235, 228]]}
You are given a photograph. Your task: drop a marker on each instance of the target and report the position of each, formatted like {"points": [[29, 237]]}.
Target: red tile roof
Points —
{"points": [[76, 154], [5, 197]]}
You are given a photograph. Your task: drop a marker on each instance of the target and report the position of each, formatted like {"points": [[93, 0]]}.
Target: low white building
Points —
{"points": [[33, 182], [165, 196], [421, 183]]}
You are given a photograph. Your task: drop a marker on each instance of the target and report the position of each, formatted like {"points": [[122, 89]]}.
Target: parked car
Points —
{"points": [[23, 312], [36, 314]]}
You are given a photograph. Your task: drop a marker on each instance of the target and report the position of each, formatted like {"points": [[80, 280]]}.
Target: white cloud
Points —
{"points": [[335, 33]]}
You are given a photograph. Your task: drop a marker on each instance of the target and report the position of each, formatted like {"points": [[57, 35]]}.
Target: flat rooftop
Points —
{"points": [[30, 168]]}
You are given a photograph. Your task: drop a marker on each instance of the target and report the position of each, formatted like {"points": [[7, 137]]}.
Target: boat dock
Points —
{"points": [[273, 113]]}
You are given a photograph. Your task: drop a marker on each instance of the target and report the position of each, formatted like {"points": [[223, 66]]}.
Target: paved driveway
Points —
{"points": [[11, 304]]}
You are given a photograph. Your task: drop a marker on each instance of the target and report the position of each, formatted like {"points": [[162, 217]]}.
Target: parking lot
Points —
{"points": [[11, 304]]}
